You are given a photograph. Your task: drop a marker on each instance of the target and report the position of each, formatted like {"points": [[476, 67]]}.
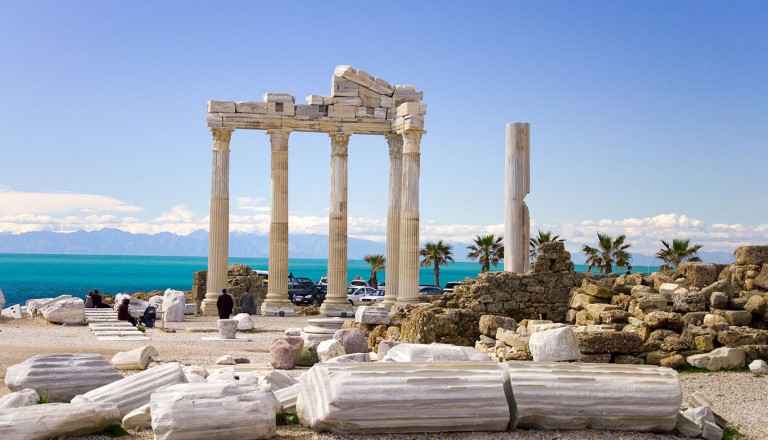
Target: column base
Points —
{"points": [[208, 307], [340, 310], [274, 309]]}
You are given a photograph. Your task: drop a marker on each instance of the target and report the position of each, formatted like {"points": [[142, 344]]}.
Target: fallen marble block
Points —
{"points": [[134, 391], [330, 349], [276, 380], [138, 418], [433, 353], [227, 328], [68, 311], [26, 397], [719, 358], [244, 321], [557, 344], [213, 410], [374, 398], [287, 396], [550, 395], [137, 359], [34, 305], [13, 312], [42, 422], [758, 367], [372, 315], [173, 305], [62, 376]]}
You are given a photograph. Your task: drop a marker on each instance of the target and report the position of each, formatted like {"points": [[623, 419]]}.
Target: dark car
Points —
{"points": [[314, 296], [430, 290]]}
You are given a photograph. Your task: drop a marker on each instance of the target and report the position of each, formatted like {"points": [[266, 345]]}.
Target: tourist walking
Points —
{"points": [[124, 313], [224, 304], [247, 303]]}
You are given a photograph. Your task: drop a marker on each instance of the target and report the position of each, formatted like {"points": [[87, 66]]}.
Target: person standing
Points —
{"points": [[247, 303], [224, 304]]}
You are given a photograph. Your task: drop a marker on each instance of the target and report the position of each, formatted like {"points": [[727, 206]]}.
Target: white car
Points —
{"points": [[373, 298], [359, 283], [355, 293]]}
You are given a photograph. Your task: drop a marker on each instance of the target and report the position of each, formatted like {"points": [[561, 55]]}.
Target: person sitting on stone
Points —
{"points": [[124, 313], [629, 269], [97, 301], [224, 304], [89, 300], [247, 303]]}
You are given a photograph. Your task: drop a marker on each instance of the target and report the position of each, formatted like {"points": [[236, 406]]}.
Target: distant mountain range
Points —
{"points": [[251, 245]]}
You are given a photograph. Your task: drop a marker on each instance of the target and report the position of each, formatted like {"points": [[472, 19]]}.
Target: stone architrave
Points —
{"points": [[134, 391], [277, 290], [551, 395], [395, 142], [218, 232], [61, 376], [213, 410], [336, 300], [413, 397], [408, 270], [517, 186], [57, 420]]}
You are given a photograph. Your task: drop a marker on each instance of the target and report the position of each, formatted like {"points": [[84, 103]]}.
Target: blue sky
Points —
{"points": [[647, 118]]}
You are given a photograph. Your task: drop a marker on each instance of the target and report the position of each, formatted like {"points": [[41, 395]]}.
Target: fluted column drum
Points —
{"points": [[218, 230], [393, 218], [517, 185], [408, 283], [336, 299]]}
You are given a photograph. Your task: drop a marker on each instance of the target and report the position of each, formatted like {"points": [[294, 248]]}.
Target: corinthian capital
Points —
{"points": [[339, 144], [395, 142], [279, 139], [221, 137], [411, 142]]}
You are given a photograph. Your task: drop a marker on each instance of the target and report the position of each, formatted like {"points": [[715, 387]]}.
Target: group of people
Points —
{"points": [[94, 301], [225, 304]]}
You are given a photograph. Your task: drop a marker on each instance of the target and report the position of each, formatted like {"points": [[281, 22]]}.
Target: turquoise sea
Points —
{"points": [[29, 276]]}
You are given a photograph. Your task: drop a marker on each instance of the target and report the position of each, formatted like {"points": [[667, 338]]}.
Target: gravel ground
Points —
{"points": [[739, 396]]}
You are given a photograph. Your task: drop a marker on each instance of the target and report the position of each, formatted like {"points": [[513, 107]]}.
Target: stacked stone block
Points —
{"points": [[240, 278]]}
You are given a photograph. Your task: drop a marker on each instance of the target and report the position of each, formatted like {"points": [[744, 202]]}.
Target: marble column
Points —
{"points": [[277, 290], [393, 218], [408, 284], [336, 303], [218, 228], [517, 231]]}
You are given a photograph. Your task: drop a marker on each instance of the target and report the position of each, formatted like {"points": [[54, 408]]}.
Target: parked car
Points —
{"points": [[450, 285], [323, 281], [375, 297], [359, 283], [430, 290], [355, 293], [303, 281], [314, 296]]}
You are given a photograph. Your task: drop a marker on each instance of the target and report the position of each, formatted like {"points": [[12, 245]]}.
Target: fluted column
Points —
{"points": [[517, 185], [277, 290], [336, 300], [408, 284], [393, 218], [218, 228]]}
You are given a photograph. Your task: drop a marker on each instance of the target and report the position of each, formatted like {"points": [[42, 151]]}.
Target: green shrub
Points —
{"points": [[42, 396], [287, 418]]}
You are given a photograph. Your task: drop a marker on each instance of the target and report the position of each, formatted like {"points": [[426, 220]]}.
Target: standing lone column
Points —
{"points": [[517, 232], [277, 290], [408, 284], [336, 300], [218, 228], [393, 218]]}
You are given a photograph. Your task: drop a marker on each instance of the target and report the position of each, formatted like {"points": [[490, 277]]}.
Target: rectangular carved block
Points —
{"points": [[343, 87], [251, 107], [221, 106], [341, 111]]}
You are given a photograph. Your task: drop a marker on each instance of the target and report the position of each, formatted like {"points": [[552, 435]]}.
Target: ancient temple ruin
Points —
{"points": [[359, 104]]}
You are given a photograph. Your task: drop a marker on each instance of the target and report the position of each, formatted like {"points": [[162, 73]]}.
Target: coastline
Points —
{"points": [[739, 395]]}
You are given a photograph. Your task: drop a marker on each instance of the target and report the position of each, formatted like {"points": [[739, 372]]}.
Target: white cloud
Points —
{"points": [[255, 204], [34, 203]]}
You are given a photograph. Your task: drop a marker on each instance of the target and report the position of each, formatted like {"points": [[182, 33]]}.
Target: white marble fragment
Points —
{"points": [[228, 374], [173, 305], [213, 410], [25, 397], [558, 344], [227, 328], [138, 418], [62, 376], [13, 312], [137, 359], [243, 321], [372, 315], [287, 396], [551, 395], [758, 367], [277, 380], [56, 420], [433, 353], [375, 398], [134, 391], [70, 311], [226, 359], [329, 349], [719, 358]]}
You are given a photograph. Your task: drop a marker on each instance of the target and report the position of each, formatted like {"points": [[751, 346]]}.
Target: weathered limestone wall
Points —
{"points": [[240, 278]]}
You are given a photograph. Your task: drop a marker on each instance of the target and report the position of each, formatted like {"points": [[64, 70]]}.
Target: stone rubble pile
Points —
{"points": [[240, 278]]}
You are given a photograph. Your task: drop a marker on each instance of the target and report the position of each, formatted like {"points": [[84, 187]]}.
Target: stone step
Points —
{"points": [[123, 338], [119, 333]]}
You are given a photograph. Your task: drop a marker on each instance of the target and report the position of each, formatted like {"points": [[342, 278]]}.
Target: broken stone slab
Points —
{"points": [[718, 359], [227, 328], [319, 100], [134, 391], [687, 427], [226, 359], [555, 345], [56, 420], [372, 315], [34, 305], [123, 338], [25, 397], [704, 418], [137, 359], [329, 349], [433, 353], [13, 312], [698, 399], [68, 311], [409, 397], [138, 418], [285, 98], [551, 395], [758, 367], [62, 376], [353, 357], [213, 410], [287, 396]]}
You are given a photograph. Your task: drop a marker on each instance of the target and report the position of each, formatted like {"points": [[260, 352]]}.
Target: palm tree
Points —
{"points": [[436, 254], [678, 252], [377, 262], [488, 250], [608, 253], [543, 237]]}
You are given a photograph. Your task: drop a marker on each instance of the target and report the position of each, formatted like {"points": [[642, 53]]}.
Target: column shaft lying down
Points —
{"points": [[551, 395], [57, 420], [403, 397]]}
